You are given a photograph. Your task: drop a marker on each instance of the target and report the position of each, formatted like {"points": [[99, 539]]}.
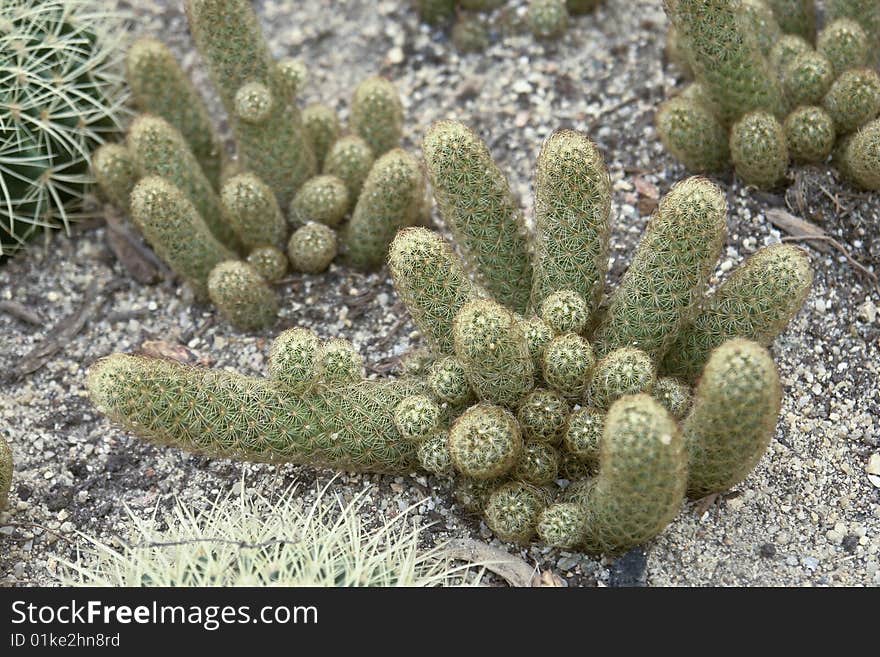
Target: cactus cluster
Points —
{"points": [[224, 224], [472, 20], [57, 103], [770, 87], [531, 380]]}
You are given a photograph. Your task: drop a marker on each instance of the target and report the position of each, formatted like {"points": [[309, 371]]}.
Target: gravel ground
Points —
{"points": [[808, 515]]}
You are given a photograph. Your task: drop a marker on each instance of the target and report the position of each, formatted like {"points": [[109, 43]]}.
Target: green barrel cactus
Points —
{"points": [[242, 295], [758, 150], [674, 395], [567, 364], [434, 456], [763, 22], [583, 434], [864, 12], [417, 418], [339, 363], [538, 464], [563, 525], [448, 381]]}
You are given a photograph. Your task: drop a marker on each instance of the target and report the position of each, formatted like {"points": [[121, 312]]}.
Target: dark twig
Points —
{"points": [[19, 311]]}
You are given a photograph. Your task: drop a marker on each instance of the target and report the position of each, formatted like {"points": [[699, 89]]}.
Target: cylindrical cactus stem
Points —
{"points": [[322, 199], [478, 207], [485, 442], [572, 209], [758, 150], [735, 410], [252, 211], [756, 302], [432, 283], [322, 128], [642, 476], [350, 159], [5, 472], [294, 360], [493, 349], [272, 141], [583, 435], [693, 135], [669, 271], [173, 227], [348, 428], [865, 12], [807, 78], [159, 86], [377, 114], [565, 311], [845, 43], [795, 16], [270, 263], [160, 150], [726, 56], [340, 363], [312, 248], [391, 199], [567, 363], [809, 134], [763, 23], [860, 157], [242, 296], [854, 99], [116, 173], [624, 371], [563, 525]]}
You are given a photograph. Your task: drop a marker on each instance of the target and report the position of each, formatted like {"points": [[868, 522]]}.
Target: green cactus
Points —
{"points": [[795, 16], [565, 312], [433, 454], [563, 525], [339, 363], [845, 43], [538, 464], [861, 157], [583, 435], [491, 346], [854, 99], [322, 129], [547, 19], [669, 271], [312, 248], [809, 134], [473, 494], [417, 418], [642, 477], [478, 207], [448, 381], [758, 150], [294, 361], [674, 395], [432, 283], [270, 263], [785, 50], [485, 442], [538, 335], [624, 371], [756, 302], [572, 209], [676, 52], [242, 295], [292, 76], [173, 227], [735, 410], [115, 172], [763, 22], [567, 364], [160, 87], [350, 159], [513, 510], [864, 12], [391, 199], [807, 79], [693, 135], [322, 199], [6, 466], [252, 211], [377, 114], [542, 416]]}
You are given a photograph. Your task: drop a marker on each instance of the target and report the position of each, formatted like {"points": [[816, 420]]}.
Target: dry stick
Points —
{"points": [[513, 569], [18, 311], [837, 245], [32, 525]]}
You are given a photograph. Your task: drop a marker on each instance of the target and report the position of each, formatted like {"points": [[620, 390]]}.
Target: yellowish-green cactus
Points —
{"points": [[583, 435], [513, 509], [322, 129], [339, 363], [449, 383], [270, 263], [758, 150], [565, 311], [242, 296], [252, 210], [785, 50], [542, 415], [736, 407], [807, 79], [693, 135], [567, 364], [350, 159], [864, 12], [624, 371], [292, 75], [860, 157], [572, 209], [563, 525], [433, 454], [294, 360], [845, 43], [538, 464], [5, 472], [116, 173], [417, 418], [795, 16], [478, 207], [323, 199], [312, 248], [377, 114], [854, 99], [809, 134], [485, 442], [547, 19], [763, 23], [538, 335], [674, 394]]}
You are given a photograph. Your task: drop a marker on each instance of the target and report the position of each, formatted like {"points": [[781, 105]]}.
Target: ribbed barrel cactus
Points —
{"points": [[520, 389], [769, 87], [294, 181]]}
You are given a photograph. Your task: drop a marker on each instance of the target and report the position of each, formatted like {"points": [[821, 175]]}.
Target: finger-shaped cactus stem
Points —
{"points": [[763, 23], [565, 311], [5, 472], [756, 302], [785, 51], [339, 363], [491, 346], [485, 442], [252, 210], [642, 476], [270, 263], [572, 209], [224, 414], [860, 157], [242, 296], [845, 43], [669, 271], [294, 360], [377, 114], [758, 150], [350, 159], [478, 207], [538, 335], [473, 494], [674, 394], [449, 383], [432, 283], [795, 16], [323, 199], [322, 128], [116, 173], [864, 12], [807, 79], [312, 248], [159, 86], [292, 75], [513, 510], [736, 407], [624, 371], [173, 227], [391, 199], [693, 135], [567, 364]]}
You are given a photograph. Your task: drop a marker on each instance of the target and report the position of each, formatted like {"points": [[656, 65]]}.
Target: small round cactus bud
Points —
{"points": [[624, 371], [115, 172], [538, 464], [417, 362], [547, 19], [809, 134], [542, 415], [416, 418], [758, 150], [433, 454], [807, 78], [693, 135], [584, 434], [860, 157], [469, 34], [565, 312], [845, 44], [294, 360], [252, 210], [538, 335], [312, 248], [786, 49], [674, 395], [350, 159], [568, 363], [562, 525], [5, 472], [853, 99], [512, 511], [448, 380], [322, 199], [485, 442], [473, 494], [340, 363], [377, 114], [270, 263], [293, 75], [242, 296], [322, 128], [253, 102]]}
